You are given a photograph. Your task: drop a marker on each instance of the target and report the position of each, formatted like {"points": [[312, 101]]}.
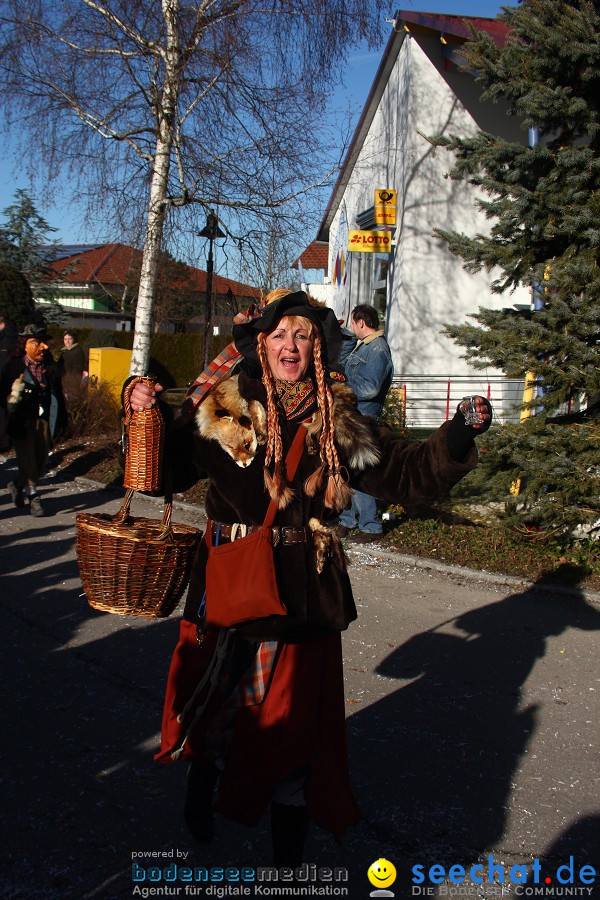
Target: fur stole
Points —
{"points": [[239, 425], [353, 432]]}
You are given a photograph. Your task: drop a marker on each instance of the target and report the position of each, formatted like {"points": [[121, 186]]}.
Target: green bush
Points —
{"points": [[393, 412], [176, 359], [100, 337]]}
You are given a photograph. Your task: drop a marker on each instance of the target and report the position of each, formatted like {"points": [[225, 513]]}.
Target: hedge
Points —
{"points": [[176, 359]]}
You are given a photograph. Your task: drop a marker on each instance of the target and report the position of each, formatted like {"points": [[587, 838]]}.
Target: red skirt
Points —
{"points": [[299, 724]]}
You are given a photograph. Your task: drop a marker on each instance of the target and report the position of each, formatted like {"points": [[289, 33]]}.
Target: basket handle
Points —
{"points": [[127, 398], [167, 531], [123, 514]]}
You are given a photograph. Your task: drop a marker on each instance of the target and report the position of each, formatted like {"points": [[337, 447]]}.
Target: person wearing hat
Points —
{"points": [[258, 709], [31, 394]]}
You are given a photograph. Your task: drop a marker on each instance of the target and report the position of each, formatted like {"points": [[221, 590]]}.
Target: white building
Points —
{"points": [[418, 285]]}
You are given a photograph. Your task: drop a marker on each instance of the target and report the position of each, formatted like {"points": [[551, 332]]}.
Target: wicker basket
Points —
{"points": [[133, 566]]}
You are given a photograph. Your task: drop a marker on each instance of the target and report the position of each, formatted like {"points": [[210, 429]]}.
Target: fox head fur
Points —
{"points": [[239, 427]]}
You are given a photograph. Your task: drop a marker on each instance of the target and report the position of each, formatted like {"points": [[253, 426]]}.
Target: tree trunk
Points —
{"points": [[157, 208]]}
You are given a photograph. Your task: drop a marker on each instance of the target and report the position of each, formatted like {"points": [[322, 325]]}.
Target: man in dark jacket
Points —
{"points": [[31, 393]]}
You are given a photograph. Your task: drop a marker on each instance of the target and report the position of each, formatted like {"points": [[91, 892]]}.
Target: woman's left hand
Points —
{"points": [[477, 412]]}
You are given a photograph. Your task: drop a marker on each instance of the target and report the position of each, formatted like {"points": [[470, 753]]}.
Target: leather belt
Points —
{"points": [[281, 534]]}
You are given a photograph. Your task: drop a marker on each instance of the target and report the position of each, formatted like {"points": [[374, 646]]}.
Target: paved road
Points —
{"points": [[472, 720]]}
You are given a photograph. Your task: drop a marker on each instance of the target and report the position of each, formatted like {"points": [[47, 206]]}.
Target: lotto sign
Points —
{"points": [[370, 241], [385, 207]]}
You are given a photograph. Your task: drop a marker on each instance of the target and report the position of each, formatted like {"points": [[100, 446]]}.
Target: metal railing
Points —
{"points": [[428, 400], [425, 401]]}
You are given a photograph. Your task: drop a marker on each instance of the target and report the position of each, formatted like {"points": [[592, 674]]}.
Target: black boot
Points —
{"points": [[198, 812], [289, 830]]}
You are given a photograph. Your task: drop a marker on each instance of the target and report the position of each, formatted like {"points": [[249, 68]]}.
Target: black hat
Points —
{"points": [[32, 331], [293, 304]]}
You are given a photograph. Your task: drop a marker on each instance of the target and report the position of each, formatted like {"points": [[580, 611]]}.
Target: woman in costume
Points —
{"points": [[267, 726]]}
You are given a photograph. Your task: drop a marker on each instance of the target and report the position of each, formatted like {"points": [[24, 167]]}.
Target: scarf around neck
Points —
{"points": [[298, 399]]}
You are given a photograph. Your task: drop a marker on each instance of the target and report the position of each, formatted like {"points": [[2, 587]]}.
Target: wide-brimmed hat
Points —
{"points": [[296, 303], [32, 331]]}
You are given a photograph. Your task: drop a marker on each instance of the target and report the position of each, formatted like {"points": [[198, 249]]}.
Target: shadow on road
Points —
{"points": [[580, 841], [432, 762], [445, 745], [81, 702]]}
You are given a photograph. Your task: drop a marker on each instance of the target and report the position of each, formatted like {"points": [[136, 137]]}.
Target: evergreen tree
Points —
{"points": [[22, 237], [16, 300], [543, 203], [25, 245]]}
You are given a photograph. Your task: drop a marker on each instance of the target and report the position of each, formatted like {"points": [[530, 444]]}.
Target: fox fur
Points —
{"points": [[326, 545], [352, 432], [239, 427]]}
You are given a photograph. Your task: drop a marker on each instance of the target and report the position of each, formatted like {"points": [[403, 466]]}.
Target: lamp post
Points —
{"points": [[211, 231]]}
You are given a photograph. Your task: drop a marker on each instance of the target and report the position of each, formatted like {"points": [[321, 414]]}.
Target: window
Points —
{"points": [[379, 282]]}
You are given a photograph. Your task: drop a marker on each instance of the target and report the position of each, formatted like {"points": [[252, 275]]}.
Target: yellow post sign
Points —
{"points": [[370, 241], [385, 207]]}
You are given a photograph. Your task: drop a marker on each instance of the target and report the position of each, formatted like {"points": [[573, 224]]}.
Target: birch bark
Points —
{"points": [[157, 206]]}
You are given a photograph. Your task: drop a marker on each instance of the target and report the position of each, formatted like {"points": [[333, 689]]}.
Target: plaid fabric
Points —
{"points": [[250, 691], [255, 680], [217, 369], [38, 370]]}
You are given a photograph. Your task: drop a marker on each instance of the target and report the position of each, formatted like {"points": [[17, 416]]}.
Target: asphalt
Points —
{"points": [[472, 713]]}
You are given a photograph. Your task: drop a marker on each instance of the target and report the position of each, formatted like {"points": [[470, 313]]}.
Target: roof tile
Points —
{"points": [[110, 264], [316, 256]]}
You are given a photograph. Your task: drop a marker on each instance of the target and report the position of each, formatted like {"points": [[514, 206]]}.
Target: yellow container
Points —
{"points": [[110, 366]]}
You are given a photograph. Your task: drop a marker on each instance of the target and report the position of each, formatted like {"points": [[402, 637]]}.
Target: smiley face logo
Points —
{"points": [[382, 873]]}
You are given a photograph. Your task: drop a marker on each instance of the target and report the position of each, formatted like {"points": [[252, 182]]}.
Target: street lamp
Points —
{"points": [[210, 231]]}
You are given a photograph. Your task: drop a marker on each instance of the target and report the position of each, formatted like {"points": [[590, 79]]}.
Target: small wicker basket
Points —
{"points": [[134, 566], [143, 439]]}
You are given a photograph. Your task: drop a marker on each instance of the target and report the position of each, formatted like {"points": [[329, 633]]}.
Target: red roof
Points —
{"points": [[316, 256], [107, 264], [110, 264], [454, 25]]}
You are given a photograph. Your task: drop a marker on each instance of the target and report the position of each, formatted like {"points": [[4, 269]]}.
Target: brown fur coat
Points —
{"points": [[226, 442]]}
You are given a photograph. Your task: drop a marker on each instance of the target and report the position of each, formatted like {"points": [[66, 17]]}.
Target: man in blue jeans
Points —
{"points": [[367, 362]]}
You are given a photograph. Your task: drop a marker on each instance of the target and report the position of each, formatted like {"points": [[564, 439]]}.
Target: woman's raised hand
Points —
{"points": [[477, 411]]}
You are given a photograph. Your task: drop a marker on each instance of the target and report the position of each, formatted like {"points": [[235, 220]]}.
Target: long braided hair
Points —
{"points": [[337, 492]]}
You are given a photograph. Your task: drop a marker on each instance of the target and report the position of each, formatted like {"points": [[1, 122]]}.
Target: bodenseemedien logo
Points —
{"points": [[382, 874]]}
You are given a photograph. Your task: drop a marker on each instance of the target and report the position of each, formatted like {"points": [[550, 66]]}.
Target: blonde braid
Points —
{"points": [[276, 484], [337, 492]]}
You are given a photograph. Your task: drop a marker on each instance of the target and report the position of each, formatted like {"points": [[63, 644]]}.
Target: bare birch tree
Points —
{"points": [[157, 106]]}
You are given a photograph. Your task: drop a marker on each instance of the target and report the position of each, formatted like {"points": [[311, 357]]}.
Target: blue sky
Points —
{"points": [[358, 77]]}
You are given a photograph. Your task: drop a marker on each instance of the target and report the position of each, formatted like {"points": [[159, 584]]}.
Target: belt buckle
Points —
{"points": [[289, 529]]}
